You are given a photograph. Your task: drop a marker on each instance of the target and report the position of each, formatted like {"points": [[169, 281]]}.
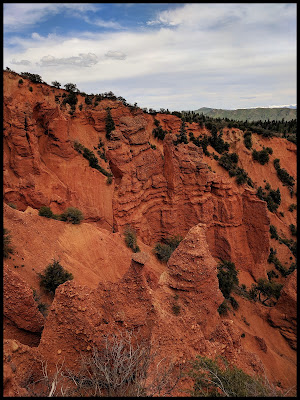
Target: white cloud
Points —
{"points": [[116, 55], [103, 23], [21, 15], [195, 55], [21, 62], [82, 60]]}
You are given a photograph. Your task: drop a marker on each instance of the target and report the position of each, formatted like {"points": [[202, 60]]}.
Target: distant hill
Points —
{"points": [[251, 114]]}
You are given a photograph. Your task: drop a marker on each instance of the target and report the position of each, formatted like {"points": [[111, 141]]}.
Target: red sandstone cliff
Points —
{"points": [[159, 191]]}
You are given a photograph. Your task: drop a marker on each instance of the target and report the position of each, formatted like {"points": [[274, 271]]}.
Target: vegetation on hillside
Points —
{"points": [[266, 291], [218, 378], [73, 215], [131, 239], [164, 249], [70, 214], [229, 162], [53, 276], [270, 196], [158, 132], [109, 123], [7, 248], [278, 265], [283, 175], [118, 367], [262, 156], [90, 156]]}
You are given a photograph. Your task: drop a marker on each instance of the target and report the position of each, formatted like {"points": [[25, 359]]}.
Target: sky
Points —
{"points": [[176, 56]]}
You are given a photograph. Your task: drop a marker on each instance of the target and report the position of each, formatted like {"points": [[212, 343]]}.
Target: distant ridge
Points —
{"points": [[251, 114]]}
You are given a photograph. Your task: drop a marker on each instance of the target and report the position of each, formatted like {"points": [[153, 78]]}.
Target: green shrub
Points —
{"points": [[90, 156], [273, 198], [109, 180], [273, 232], [78, 146], [227, 275], [242, 177], [56, 84], [73, 215], [253, 292], [53, 276], [292, 268], [130, 239], [218, 378], [35, 78], [176, 309], [292, 207], [272, 274], [20, 81], [293, 230], [163, 251], [109, 124], [43, 308], [181, 137], [248, 140], [216, 141], [71, 99], [88, 100], [273, 259], [7, 248], [30, 88], [12, 205], [159, 133], [223, 308], [261, 156], [45, 212], [283, 175], [268, 290], [229, 162], [173, 241], [234, 303], [269, 150]]}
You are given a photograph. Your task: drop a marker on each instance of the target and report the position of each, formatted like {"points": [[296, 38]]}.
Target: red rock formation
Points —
{"points": [[160, 191], [284, 314], [18, 303]]}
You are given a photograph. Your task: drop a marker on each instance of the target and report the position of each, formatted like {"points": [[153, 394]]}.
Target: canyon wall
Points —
{"points": [[160, 189]]}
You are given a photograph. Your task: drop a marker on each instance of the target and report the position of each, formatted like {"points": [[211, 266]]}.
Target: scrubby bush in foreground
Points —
{"points": [[53, 276], [217, 378], [118, 367]]}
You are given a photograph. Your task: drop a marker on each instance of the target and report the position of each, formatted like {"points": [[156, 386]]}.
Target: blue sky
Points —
{"points": [[178, 56]]}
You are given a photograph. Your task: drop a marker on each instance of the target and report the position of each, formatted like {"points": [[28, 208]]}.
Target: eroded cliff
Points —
{"points": [[160, 189]]}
